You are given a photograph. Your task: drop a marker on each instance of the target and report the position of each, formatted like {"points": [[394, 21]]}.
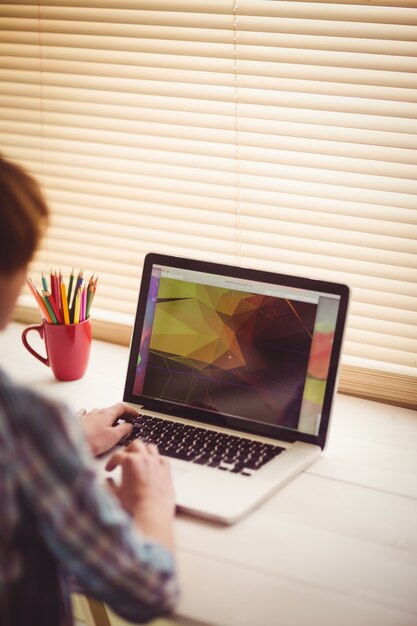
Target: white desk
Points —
{"points": [[337, 546]]}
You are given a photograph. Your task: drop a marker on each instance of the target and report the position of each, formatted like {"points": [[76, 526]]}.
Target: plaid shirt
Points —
{"points": [[56, 521]]}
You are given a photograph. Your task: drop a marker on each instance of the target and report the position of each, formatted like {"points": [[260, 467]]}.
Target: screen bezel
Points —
{"points": [[218, 419]]}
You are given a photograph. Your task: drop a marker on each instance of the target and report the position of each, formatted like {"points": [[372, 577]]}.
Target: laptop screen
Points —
{"points": [[253, 347]]}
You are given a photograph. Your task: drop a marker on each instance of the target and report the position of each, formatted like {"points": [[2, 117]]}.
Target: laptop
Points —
{"points": [[234, 372]]}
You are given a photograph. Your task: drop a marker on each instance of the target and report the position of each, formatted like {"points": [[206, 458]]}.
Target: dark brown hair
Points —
{"points": [[23, 215]]}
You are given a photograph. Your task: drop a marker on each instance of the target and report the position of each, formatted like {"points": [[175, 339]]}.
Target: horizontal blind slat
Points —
{"points": [[284, 44], [222, 93], [379, 71], [379, 353], [253, 132], [201, 6], [381, 327], [397, 14], [251, 115]]}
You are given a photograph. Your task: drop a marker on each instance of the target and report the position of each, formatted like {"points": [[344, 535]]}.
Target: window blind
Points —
{"points": [[279, 135]]}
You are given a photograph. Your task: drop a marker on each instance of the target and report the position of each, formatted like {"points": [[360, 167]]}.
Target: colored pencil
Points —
{"points": [[44, 283], [59, 302], [57, 295], [64, 302], [53, 285], [81, 304], [71, 280], [84, 303], [79, 279], [49, 307], [41, 304], [89, 299], [77, 285], [47, 296], [77, 307]]}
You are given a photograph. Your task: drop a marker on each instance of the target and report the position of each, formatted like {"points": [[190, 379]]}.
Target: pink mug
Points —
{"points": [[67, 348]]}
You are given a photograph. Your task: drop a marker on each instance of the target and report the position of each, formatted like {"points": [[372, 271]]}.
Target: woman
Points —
{"points": [[57, 523]]}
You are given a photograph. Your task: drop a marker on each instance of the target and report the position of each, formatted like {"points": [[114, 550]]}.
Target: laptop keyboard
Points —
{"points": [[200, 445]]}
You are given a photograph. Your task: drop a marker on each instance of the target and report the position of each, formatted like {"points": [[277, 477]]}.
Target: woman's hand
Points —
{"points": [[146, 490], [98, 426]]}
